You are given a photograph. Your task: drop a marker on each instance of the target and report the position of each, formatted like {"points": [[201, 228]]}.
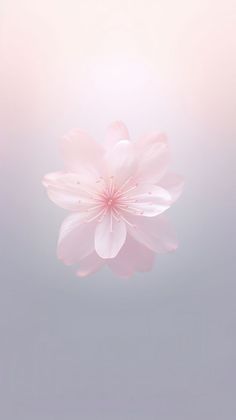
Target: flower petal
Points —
{"points": [[121, 160], [153, 156], [155, 233], [65, 190], [174, 184], [150, 200], [90, 265], [116, 131], [76, 239], [110, 236], [132, 257], [53, 178], [80, 151], [64, 199]]}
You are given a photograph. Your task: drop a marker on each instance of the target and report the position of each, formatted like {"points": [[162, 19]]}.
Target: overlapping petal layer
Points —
{"points": [[117, 193]]}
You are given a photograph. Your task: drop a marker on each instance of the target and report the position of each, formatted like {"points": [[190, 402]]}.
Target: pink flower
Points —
{"points": [[116, 192]]}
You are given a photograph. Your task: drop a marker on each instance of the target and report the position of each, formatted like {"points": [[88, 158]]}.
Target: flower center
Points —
{"points": [[114, 199], [110, 202]]}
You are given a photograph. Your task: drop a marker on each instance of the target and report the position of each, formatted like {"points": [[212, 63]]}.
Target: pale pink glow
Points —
{"points": [[143, 63], [116, 192]]}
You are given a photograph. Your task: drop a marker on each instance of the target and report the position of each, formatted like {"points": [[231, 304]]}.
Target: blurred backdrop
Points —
{"points": [[161, 345]]}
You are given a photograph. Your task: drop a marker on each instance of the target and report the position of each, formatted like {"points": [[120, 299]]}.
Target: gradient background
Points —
{"points": [[162, 345]]}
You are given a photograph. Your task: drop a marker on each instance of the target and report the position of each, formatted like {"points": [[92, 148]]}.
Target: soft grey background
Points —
{"points": [[161, 345]]}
